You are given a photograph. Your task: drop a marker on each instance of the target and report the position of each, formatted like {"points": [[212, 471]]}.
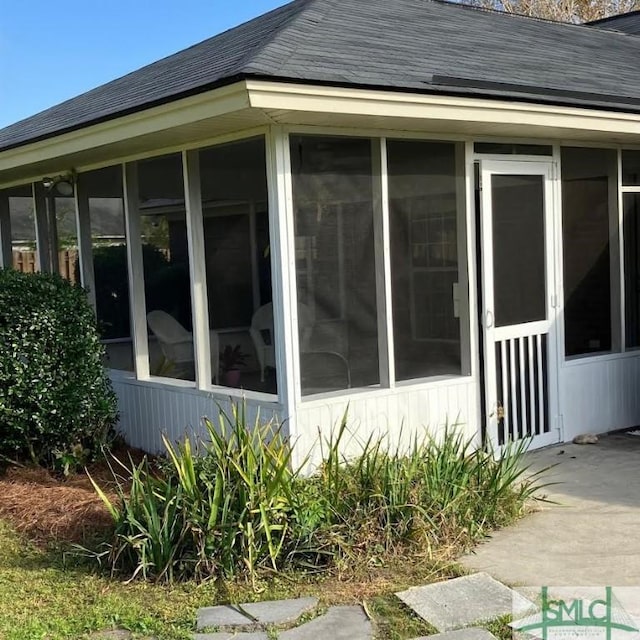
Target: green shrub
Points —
{"points": [[234, 504], [56, 402]]}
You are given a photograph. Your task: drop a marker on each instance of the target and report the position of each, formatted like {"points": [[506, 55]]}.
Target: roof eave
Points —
{"points": [[273, 98], [223, 99], [117, 115], [427, 89], [539, 116]]}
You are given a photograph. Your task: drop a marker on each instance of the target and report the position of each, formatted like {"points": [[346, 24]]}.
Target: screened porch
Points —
{"points": [[309, 272]]}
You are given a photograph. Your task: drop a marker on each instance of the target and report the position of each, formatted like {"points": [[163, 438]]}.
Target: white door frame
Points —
{"points": [[521, 346]]}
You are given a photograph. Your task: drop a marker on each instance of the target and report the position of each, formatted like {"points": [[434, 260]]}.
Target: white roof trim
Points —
{"points": [[272, 96], [206, 105]]}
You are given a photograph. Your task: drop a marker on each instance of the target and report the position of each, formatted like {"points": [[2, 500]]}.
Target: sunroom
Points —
{"points": [[467, 255]]}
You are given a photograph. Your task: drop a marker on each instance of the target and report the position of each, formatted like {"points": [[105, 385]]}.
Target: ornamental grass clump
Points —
{"points": [[233, 504], [57, 407], [218, 507], [440, 494]]}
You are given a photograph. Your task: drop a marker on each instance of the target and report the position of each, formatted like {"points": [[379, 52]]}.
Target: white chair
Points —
{"points": [[176, 344], [262, 334]]}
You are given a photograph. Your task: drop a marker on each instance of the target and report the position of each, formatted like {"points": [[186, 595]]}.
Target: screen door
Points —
{"points": [[518, 319]]}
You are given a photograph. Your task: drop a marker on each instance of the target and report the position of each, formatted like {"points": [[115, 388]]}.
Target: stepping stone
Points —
{"points": [[114, 634], [253, 616], [339, 623], [461, 602], [471, 633]]}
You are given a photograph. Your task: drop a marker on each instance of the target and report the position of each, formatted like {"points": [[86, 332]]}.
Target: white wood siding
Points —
{"points": [[394, 413], [150, 409], [596, 395], [600, 394]]}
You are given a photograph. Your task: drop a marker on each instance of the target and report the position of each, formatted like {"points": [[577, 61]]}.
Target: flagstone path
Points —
{"points": [[453, 607]]}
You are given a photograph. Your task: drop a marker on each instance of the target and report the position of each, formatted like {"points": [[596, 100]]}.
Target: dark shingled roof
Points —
{"points": [[416, 45], [627, 23]]}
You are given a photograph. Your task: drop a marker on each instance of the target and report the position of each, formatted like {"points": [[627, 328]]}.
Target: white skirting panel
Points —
{"points": [[600, 395], [397, 414], [149, 409]]}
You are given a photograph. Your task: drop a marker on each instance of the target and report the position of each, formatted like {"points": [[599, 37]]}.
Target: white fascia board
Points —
{"points": [[313, 98], [173, 114]]}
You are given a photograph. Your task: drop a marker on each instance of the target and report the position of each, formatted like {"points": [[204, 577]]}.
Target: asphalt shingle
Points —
{"points": [[627, 23]]}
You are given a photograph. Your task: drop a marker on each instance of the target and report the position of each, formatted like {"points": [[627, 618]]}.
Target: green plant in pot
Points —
{"points": [[231, 359]]}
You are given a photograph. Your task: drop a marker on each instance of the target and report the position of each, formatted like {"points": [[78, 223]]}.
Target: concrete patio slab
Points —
{"points": [[590, 537], [462, 602]]}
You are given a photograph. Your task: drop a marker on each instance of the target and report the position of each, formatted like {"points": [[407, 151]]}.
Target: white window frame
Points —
{"points": [[622, 190], [195, 235], [618, 284], [466, 258], [616, 272]]}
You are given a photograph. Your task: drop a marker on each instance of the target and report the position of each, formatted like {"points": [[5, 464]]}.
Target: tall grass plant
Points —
{"points": [[232, 503]]}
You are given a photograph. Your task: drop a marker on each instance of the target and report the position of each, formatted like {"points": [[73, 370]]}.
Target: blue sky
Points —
{"points": [[51, 51]]}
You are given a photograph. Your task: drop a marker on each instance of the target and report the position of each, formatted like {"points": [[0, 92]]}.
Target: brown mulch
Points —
{"points": [[51, 509]]}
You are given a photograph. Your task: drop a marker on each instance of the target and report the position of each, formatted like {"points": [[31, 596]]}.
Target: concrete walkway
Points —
{"points": [[591, 538]]}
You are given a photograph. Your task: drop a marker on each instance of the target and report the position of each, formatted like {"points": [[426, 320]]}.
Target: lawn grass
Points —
{"points": [[500, 628], [40, 598], [47, 594]]}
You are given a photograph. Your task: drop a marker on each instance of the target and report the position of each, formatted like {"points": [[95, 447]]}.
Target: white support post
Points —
{"points": [[85, 250], [43, 237], [470, 249], [464, 213], [559, 256], [619, 198], [615, 256], [137, 303], [383, 263], [6, 250], [197, 269], [285, 311]]}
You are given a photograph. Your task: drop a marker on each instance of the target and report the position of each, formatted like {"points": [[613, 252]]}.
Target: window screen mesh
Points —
{"points": [[424, 258], [586, 179], [335, 262], [103, 189]]}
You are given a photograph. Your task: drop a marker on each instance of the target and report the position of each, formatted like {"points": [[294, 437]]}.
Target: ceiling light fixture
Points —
{"points": [[62, 184]]}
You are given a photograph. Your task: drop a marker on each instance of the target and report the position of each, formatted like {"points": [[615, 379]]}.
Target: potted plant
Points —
{"points": [[231, 358]]}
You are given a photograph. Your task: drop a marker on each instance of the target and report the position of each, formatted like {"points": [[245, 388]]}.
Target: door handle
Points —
{"points": [[488, 319]]}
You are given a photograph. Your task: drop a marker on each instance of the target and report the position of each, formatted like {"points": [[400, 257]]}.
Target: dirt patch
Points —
{"points": [[50, 509]]}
